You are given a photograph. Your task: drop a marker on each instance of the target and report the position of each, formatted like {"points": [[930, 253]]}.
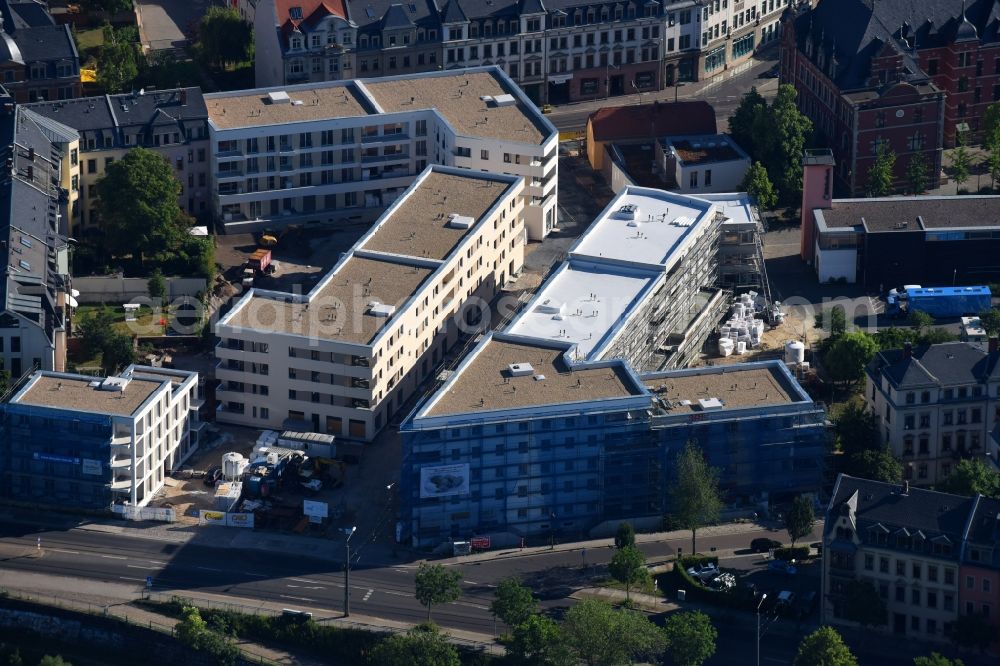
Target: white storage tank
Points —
{"points": [[233, 464], [795, 352]]}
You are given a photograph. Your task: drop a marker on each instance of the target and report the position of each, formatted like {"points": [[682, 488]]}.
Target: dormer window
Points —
{"points": [[295, 13], [296, 43]]}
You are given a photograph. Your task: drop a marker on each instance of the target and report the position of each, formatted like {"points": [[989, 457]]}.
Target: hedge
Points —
{"points": [[695, 591], [788, 553]]}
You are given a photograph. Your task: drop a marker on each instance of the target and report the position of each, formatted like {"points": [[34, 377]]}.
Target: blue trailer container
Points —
{"points": [[948, 301]]}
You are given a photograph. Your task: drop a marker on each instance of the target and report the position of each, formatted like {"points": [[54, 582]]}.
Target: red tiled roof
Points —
{"points": [[617, 123], [308, 8]]}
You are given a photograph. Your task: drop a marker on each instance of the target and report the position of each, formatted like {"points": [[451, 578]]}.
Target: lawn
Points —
{"points": [[146, 324], [91, 38]]}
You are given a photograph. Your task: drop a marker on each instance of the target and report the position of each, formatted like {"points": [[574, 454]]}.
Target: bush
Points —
{"points": [[788, 553]]}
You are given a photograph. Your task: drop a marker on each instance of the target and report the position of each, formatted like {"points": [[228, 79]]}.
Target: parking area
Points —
{"points": [[168, 24]]}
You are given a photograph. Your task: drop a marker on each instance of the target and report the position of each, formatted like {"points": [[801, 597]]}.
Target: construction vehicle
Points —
{"points": [[264, 474]]}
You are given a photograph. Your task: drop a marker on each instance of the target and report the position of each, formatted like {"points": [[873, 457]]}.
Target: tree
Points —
{"points": [[436, 584], [690, 638], [742, 122], [49, 660], [538, 642], [799, 519], [780, 138], [973, 630], [138, 207], [625, 536], [118, 353], [420, 647], [856, 429], [936, 659], [916, 174], [600, 635], [990, 321], [514, 603], [224, 37], [824, 647], [920, 320], [837, 320], [118, 59], [880, 174], [847, 357], [694, 492], [864, 605], [991, 123], [875, 464], [191, 629], [961, 165], [96, 329], [993, 160], [971, 476], [627, 566], [110, 6], [758, 185], [157, 286]]}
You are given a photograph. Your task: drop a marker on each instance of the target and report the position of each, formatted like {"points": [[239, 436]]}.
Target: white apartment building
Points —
{"points": [[97, 442], [344, 150], [935, 405], [344, 357]]}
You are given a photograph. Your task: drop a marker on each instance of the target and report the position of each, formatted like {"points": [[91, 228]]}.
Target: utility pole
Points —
{"points": [[347, 570], [762, 597]]}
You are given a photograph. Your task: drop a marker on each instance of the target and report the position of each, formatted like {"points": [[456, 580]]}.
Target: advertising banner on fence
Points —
{"points": [[129, 512], [211, 518], [444, 480], [239, 519], [315, 509]]}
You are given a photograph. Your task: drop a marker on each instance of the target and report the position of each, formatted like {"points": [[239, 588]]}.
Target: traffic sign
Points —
{"points": [[149, 582]]}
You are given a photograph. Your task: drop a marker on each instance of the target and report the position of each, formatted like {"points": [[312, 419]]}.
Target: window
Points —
{"points": [[693, 180], [970, 582], [869, 562]]}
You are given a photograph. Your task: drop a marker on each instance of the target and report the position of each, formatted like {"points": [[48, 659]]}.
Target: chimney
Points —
{"points": [[184, 96], [994, 344], [31, 153], [908, 350]]}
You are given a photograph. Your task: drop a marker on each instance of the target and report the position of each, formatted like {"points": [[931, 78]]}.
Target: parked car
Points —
{"points": [[781, 566], [705, 572], [213, 476], [764, 545], [723, 582], [818, 547]]}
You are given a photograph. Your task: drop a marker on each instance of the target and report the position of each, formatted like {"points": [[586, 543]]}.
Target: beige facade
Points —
{"points": [[345, 357]]}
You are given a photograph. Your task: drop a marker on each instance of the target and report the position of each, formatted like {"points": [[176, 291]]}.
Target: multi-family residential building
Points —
{"points": [[557, 51], [343, 358], [890, 241], [920, 550], [331, 152], [38, 59], [935, 404], [172, 123], [902, 75], [33, 210], [93, 442], [701, 164], [525, 440]]}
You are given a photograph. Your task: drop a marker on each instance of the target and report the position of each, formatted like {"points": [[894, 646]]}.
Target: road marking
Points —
{"points": [[140, 580], [211, 569], [309, 587], [140, 566], [305, 580], [368, 595], [159, 564], [397, 594], [470, 582], [286, 596], [465, 603], [115, 557], [60, 550]]}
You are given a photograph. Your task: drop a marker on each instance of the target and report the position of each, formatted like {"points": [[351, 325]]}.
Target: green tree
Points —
{"points": [[118, 353], [993, 160], [112, 7], [758, 185], [864, 605], [628, 565], [990, 321], [824, 647], [14, 658], [781, 136], [513, 602], [49, 660], [799, 519], [847, 357], [916, 174], [224, 37], [157, 286], [744, 118], [190, 631], [96, 329], [690, 638], [880, 174], [601, 635], [538, 641], [118, 59], [961, 165], [625, 536], [420, 647], [694, 492], [991, 123], [875, 464], [971, 476], [919, 320], [972, 631], [837, 320], [936, 659], [138, 207], [856, 429], [436, 584]]}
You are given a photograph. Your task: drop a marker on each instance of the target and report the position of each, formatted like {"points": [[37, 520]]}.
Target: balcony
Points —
{"points": [[120, 462], [121, 483], [121, 440]]}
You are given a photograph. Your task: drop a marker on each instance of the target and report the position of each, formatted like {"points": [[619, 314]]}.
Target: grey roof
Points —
{"points": [[893, 507], [396, 17], [453, 13], [944, 364], [919, 213], [30, 208], [46, 43], [369, 15], [854, 31], [984, 528], [25, 14]]}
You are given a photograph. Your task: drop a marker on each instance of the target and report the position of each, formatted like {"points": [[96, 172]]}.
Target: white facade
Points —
{"points": [[703, 164], [345, 150]]}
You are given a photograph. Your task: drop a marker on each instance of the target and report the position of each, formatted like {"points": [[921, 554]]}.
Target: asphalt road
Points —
{"points": [[294, 581]]}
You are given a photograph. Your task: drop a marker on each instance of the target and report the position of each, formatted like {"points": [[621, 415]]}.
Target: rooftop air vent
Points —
{"points": [[117, 384], [629, 212], [456, 221], [377, 309], [708, 404], [520, 369], [504, 100], [278, 97], [548, 306]]}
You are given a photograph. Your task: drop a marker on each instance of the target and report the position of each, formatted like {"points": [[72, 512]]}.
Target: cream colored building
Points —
{"points": [[343, 358]]}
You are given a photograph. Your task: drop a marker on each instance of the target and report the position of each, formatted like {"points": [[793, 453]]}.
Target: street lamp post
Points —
{"points": [[762, 597], [347, 570]]}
